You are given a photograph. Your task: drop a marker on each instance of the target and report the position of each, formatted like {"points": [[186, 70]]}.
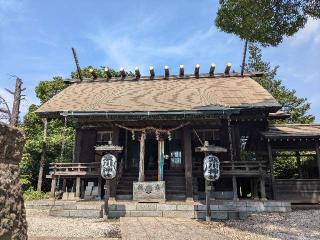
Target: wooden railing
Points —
{"points": [[75, 169], [240, 168]]}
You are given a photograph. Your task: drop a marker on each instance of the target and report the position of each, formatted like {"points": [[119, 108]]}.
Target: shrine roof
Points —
{"points": [[292, 130], [161, 95]]}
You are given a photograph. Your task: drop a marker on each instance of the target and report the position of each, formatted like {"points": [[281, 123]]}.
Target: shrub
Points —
{"points": [[31, 194]]}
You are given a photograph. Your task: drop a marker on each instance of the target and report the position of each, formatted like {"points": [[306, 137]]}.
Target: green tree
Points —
{"points": [[264, 21], [57, 134], [295, 106]]}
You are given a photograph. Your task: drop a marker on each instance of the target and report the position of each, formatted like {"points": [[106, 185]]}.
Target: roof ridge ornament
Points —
{"points": [[166, 72]]}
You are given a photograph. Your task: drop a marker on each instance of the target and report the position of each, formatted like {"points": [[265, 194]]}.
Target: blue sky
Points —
{"points": [[36, 39]]}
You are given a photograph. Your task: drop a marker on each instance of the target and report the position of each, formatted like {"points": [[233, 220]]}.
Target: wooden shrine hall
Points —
{"points": [[159, 122]]}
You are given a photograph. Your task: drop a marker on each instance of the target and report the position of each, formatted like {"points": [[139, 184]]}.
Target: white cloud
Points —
{"points": [[137, 49], [310, 33]]}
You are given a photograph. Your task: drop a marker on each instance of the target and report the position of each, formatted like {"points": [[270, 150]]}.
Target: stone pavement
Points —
{"points": [[159, 228]]}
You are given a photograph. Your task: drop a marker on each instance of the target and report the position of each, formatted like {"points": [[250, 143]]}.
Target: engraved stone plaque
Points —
{"points": [[149, 191]]}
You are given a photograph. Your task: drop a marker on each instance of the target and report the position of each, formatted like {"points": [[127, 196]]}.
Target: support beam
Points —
{"points": [[263, 188], [64, 185], [234, 188], [78, 182], [255, 189], [99, 186], [160, 159], [113, 182], [188, 161], [318, 156], [77, 145], [53, 186], [141, 162], [271, 171]]}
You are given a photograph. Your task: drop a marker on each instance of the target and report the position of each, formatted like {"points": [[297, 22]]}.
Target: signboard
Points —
{"points": [[108, 166], [211, 168]]}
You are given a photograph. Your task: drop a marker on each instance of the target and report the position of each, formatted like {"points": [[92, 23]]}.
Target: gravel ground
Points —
{"points": [[44, 227], [298, 225]]}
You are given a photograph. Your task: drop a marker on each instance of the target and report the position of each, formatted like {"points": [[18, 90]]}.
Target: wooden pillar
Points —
{"points": [[255, 189], [113, 182], [188, 161], [78, 179], [299, 163], [126, 150], [263, 188], [141, 162], [82, 188], [318, 157], [53, 186], [272, 183], [234, 188], [99, 186], [160, 159], [77, 145], [64, 184]]}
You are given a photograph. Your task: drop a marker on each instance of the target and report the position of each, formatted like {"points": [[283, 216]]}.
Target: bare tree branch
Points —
{"points": [[4, 109]]}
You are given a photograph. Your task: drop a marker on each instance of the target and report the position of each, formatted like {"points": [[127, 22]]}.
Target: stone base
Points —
{"points": [[220, 210], [149, 191]]}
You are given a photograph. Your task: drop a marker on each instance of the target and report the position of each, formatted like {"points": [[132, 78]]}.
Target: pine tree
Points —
{"points": [[295, 106]]}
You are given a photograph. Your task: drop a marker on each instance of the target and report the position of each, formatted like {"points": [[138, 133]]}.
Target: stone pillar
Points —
{"points": [[13, 223], [188, 161]]}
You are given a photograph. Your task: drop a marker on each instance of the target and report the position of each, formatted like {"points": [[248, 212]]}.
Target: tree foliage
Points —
{"points": [[57, 133], [261, 21], [295, 106], [312, 8]]}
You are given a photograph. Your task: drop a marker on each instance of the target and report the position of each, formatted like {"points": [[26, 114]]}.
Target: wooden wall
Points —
{"points": [[298, 190]]}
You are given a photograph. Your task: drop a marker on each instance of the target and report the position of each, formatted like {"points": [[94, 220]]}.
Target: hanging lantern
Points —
{"points": [[108, 166], [157, 135], [211, 168], [132, 135]]}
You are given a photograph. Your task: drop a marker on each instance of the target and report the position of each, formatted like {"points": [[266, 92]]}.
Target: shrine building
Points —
{"points": [[160, 128]]}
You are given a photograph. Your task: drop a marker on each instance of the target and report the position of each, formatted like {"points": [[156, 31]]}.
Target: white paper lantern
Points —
{"points": [[108, 166], [211, 168]]}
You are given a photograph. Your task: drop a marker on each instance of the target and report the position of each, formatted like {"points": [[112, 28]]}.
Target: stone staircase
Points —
{"points": [[175, 183]]}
